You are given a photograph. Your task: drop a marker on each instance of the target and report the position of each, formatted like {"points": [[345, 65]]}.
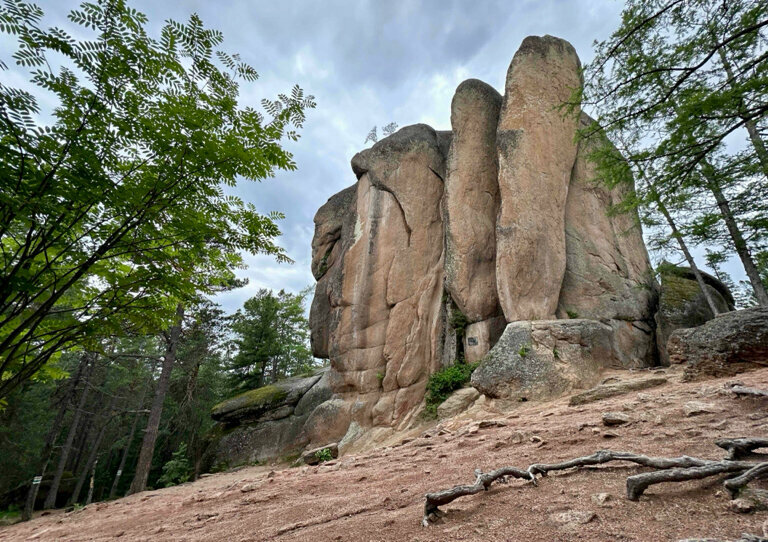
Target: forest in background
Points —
{"points": [[89, 427]]}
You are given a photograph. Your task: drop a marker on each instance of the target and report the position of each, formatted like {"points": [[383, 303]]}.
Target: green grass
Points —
{"points": [[10, 516], [458, 322], [444, 382]]}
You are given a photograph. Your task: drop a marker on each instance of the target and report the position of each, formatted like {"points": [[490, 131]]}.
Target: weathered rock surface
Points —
{"points": [[334, 226], [315, 455], [268, 422], [386, 340], [730, 343], [608, 273], [266, 403], [481, 336], [472, 200], [457, 402], [615, 418], [620, 388], [545, 358], [682, 304], [536, 152]]}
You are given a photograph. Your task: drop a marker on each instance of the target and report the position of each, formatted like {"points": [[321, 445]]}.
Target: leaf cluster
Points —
{"points": [[113, 205]]}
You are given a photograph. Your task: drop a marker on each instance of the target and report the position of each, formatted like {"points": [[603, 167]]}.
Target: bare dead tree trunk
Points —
{"points": [[739, 242], [144, 463], [84, 437], [127, 448], [90, 487], [50, 499], [50, 440]]}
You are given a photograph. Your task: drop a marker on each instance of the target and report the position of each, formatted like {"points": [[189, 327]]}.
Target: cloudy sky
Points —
{"points": [[367, 62]]}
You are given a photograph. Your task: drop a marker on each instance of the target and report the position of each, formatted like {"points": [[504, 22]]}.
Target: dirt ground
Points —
{"points": [[379, 495]]}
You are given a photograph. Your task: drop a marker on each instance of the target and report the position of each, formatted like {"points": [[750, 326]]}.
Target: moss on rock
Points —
{"points": [[250, 402], [679, 291]]}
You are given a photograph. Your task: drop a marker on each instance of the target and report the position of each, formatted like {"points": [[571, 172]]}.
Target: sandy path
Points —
{"points": [[379, 495]]}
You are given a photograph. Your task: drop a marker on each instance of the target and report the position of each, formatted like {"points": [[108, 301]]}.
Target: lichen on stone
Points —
{"points": [[260, 397]]}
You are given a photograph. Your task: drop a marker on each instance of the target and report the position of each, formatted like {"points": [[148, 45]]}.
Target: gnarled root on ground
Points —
{"points": [[667, 469]]}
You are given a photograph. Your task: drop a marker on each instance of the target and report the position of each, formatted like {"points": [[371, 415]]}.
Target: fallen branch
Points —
{"points": [[668, 469]]}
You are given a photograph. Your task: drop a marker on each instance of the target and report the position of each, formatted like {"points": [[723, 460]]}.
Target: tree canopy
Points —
{"points": [[272, 338], [113, 206], [680, 88]]}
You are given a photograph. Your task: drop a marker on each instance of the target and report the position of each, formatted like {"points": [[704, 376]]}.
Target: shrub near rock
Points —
{"points": [[444, 382]]}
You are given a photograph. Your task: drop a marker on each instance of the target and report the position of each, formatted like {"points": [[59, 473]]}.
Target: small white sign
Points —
{"points": [[119, 472], [36, 480]]}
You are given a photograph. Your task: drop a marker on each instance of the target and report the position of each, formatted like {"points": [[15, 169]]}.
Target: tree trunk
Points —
{"points": [[50, 499], [738, 239], [754, 135], [89, 464], [90, 487], [684, 248], [127, 448], [50, 440], [88, 423], [144, 463]]}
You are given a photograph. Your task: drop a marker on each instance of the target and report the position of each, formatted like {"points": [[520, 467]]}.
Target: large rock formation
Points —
{"points": [[268, 422], [536, 150], [498, 222], [489, 242], [472, 201]]}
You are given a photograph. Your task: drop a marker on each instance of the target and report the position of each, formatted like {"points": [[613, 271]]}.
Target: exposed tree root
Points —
{"points": [[734, 485], [668, 469], [739, 448], [638, 483]]}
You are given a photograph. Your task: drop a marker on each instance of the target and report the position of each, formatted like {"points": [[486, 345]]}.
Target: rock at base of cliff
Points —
{"points": [[457, 402], [318, 455], [546, 358], [480, 337], [271, 402], [726, 345], [266, 423], [251, 444]]}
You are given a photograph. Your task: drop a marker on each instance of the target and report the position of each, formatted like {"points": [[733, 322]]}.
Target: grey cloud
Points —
{"points": [[368, 63]]}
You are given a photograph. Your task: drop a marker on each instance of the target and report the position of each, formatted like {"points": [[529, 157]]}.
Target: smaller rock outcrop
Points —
{"points": [[605, 391], [270, 402], [320, 454], [268, 422], [682, 304], [723, 346]]}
